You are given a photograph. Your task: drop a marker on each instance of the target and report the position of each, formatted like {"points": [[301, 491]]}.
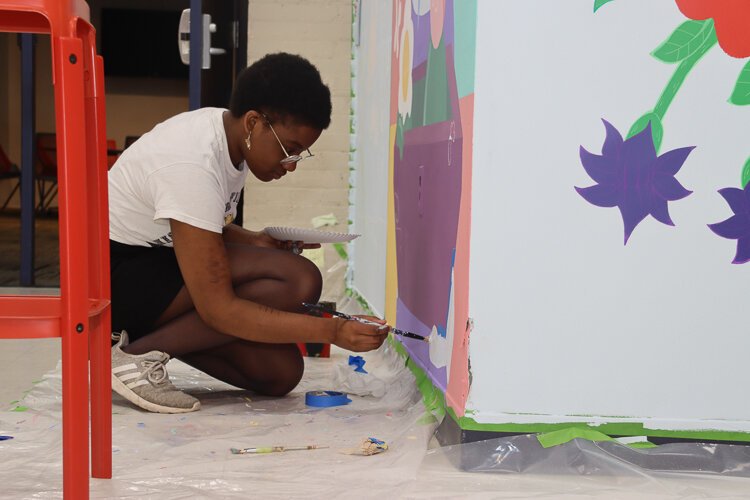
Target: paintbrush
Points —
{"points": [[395, 331], [274, 449]]}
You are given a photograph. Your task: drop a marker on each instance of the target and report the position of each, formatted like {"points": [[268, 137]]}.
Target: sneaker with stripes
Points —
{"points": [[142, 379]]}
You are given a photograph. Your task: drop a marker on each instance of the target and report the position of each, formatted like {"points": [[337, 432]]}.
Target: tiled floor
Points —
{"points": [[23, 362], [46, 262]]}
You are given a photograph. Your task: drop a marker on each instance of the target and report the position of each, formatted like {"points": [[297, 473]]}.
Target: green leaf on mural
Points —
{"points": [[746, 173], [657, 130], [599, 3], [685, 41], [741, 93]]}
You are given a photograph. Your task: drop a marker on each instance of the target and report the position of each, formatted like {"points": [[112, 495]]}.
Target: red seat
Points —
{"points": [[80, 315]]}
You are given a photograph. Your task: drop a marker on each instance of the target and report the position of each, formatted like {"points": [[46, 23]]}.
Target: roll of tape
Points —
{"points": [[325, 399]]}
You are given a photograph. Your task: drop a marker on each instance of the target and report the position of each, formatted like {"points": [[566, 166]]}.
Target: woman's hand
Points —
{"points": [[360, 337], [262, 239]]}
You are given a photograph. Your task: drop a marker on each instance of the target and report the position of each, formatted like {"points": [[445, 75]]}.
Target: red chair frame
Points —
{"points": [[80, 315]]}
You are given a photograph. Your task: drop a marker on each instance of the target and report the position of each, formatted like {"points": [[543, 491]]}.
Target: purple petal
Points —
{"points": [[613, 140], [735, 198], [600, 195], [743, 251], [747, 195], [599, 168], [669, 188], [671, 162], [639, 149], [660, 211], [632, 215], [735, 227]]}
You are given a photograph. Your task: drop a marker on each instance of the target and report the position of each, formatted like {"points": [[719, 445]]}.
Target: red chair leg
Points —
{"points": [[74, 279], [75, 418], [101, 399]]}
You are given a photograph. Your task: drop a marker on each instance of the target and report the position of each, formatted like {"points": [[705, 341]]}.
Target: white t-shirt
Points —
{"points": [[179, 170]]}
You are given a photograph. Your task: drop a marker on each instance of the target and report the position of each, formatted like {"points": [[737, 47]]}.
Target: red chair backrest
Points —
{"points": [[6, 166]]}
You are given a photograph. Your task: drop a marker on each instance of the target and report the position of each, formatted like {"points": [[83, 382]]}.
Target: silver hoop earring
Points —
{"points": [[247, 142]]}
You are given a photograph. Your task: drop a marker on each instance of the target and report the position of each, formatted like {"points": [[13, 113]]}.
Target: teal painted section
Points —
{"points": [[465, 25]]}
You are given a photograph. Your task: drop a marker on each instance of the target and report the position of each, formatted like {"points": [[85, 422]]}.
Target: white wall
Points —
{"points": [[568, 321], [370, 186], [319, 30]]}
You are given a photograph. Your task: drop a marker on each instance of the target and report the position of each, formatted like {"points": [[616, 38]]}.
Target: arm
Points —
{"points": [[203, 262], [236, 234]]}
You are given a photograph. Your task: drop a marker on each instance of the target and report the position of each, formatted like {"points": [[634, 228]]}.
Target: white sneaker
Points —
{"points": [[143, 380]]}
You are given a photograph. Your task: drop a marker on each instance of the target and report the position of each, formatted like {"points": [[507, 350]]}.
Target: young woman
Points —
{"points": [[189, 284]]}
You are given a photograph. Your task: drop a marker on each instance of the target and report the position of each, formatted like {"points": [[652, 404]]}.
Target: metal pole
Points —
{"points": [[28, 126]]}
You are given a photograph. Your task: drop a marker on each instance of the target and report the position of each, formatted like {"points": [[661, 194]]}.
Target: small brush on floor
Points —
{"points": [[274, 449]]}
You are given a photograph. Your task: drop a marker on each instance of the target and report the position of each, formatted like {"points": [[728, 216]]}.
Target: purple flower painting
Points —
{"points": [[737, 227], [631, 177]]}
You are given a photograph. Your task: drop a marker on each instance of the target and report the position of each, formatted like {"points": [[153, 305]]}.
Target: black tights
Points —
{"points": [[274, 278]]}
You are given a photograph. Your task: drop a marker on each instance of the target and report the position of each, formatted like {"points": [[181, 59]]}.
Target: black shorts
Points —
{"points": [[145, 280]]}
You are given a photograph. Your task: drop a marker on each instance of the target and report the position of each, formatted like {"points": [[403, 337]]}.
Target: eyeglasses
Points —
{"points": [[288, 158]]}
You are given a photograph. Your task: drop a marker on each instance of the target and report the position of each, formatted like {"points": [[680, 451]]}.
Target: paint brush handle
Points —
{"points": [[274, 449], [410, 335], [395, 331]]}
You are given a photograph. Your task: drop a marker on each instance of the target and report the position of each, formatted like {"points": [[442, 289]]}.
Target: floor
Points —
{"points": [[175, 457], [46, 260]]}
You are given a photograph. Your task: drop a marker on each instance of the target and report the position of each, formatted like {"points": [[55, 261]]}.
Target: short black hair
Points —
{"points": [[283, 86]]}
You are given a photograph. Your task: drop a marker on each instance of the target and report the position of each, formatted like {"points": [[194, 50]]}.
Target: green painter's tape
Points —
{"points": [[435, 401], [612, 429], [642, 444], [556, 438]]}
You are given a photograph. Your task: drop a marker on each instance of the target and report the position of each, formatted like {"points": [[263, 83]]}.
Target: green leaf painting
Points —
{"points": [[599, 3], [741, 94], [746, 173], [685, 41]]}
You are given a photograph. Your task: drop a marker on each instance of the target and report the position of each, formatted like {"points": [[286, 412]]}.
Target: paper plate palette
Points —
{"points": [[308, 235]]}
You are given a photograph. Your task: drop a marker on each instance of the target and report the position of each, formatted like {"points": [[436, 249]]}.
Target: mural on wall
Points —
{"points": [[628, 174], [431, 121]]}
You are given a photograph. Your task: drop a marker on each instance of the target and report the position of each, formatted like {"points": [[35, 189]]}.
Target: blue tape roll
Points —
{"points": [[325, 399]]}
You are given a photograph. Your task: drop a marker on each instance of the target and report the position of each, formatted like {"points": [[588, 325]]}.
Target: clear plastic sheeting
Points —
{"points": [[170, 457], [583, 457], [188, 455]]}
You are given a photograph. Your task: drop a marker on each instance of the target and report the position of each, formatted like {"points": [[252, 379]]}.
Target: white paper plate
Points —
{"points": [[308, 235]]}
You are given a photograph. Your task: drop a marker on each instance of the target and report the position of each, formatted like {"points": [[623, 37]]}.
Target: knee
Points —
{"points": [[309, 281], [286, 377]]}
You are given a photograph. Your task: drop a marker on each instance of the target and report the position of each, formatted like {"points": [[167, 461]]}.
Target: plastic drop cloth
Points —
{"points": [[185, 456], [581, 456], [188, 455]]}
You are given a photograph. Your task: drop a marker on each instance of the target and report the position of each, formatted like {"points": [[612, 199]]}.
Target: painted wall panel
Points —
{"points": [[432, 106], [606, 310], [372, 101]]}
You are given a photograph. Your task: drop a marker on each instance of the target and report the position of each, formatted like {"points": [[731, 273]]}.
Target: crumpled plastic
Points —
{"points": [[358, 383]]}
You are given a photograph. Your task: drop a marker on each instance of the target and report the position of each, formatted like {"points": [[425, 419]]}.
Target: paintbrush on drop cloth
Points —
{"points": [[274, 449]]}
